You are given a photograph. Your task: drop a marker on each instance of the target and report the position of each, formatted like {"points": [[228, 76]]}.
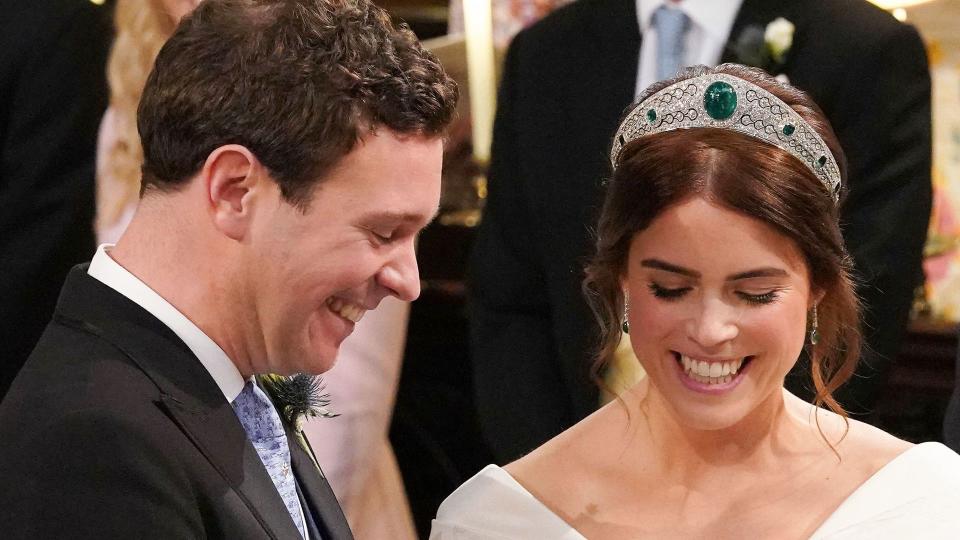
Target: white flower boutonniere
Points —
{"points": [[766, 48], [778, 38]]}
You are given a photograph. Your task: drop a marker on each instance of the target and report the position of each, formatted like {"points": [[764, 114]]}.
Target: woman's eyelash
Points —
{"points": [[674, 294], [764, 298], [668, 294]]}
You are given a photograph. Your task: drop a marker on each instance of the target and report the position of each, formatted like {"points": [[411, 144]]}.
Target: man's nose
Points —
{"points": [[401, 276]]}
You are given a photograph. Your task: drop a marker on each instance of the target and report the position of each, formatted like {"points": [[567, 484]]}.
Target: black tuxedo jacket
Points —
{"points": [[114, 429], [565, 83], [53, 91]]}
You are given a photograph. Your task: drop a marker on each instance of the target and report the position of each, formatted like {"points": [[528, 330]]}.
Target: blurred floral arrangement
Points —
{"points": [[940, 298]]}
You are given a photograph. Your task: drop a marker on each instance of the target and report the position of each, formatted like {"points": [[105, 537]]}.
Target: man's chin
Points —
{"points": [[320, 352], [320, 362], [307, 360]]}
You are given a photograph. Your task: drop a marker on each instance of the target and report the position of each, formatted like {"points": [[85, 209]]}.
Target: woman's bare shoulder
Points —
{"points": [[855, 441], [560, 453], [576, 459], [870, 441]]}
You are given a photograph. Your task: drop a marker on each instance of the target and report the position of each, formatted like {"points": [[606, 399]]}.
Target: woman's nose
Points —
{"points": [[715, 324]]}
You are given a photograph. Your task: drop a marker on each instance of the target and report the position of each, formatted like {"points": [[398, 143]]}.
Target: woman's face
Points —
{"points": [[717, 308]]}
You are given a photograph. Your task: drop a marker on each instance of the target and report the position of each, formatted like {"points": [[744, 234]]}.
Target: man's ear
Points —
{"points": [[230, 177]]}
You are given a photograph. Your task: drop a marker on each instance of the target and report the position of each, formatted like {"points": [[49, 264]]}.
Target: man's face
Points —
{"points": [[312, 275]]}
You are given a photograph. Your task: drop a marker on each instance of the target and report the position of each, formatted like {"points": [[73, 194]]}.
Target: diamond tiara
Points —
{"points": [[726, 102]]}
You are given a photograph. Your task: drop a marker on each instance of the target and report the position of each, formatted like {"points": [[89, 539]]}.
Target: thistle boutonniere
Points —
{"points": [[765, 48], [298, 398]]}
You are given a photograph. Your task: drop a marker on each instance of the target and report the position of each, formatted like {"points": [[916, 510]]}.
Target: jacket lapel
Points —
{"points": [[760, 13], [217, 433], [751, 13], [187, 393], [315, 492], [320, 499]]}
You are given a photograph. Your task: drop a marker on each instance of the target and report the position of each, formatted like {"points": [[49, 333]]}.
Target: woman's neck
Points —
{"points": [[760, 441]]}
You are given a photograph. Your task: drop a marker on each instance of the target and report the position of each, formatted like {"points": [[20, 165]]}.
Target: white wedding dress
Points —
{"points": [[916, 495]]}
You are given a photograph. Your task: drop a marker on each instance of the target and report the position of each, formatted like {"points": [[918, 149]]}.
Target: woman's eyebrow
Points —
{"points": [[759, 272], [661, 265], [755, 273]]}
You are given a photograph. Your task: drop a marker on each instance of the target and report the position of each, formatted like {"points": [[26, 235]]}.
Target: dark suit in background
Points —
{"points": [[53, 92], [163, 436], [565, 84]]}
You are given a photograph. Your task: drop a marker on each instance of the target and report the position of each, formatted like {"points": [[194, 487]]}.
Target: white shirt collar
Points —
{"points": [[217, 363], [715, 17]]}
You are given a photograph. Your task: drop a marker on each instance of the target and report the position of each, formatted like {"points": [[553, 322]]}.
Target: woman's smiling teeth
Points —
{"points": [[710, 372], [351, 312]]}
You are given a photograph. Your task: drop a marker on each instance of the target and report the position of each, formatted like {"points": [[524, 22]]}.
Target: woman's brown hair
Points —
{"points": [[748, 176]]}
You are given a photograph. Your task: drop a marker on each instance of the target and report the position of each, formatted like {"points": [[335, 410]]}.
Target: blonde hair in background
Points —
{"points": [[142, 27]]}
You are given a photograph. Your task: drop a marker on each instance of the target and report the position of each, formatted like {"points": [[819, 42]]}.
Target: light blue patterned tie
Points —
{"points": [[672, 25], [264, 429]]}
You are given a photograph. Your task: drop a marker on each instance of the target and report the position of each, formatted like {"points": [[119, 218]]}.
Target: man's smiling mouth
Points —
{"points": [[348, 310]]}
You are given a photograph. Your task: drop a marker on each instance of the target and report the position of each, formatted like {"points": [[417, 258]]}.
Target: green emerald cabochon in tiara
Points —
{"points": [[720, 100]]}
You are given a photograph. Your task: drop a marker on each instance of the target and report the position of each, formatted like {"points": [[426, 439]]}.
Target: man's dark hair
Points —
{"points": [[297, 82]]}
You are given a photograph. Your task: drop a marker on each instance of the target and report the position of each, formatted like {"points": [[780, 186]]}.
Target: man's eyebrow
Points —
{"points": [[661, 265], [398, 217]]}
